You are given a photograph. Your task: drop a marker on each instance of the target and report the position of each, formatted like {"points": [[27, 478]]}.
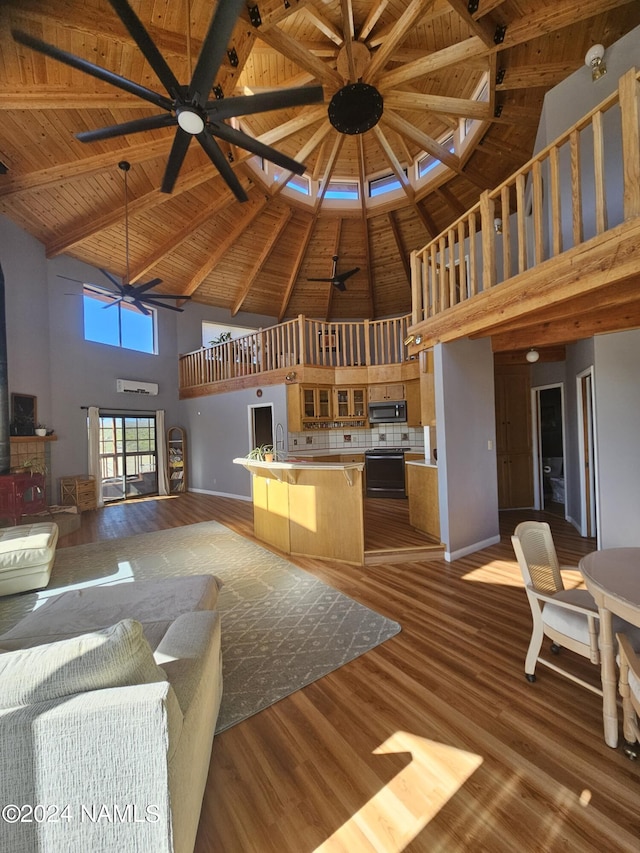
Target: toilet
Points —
{"points": [[553, 472]]}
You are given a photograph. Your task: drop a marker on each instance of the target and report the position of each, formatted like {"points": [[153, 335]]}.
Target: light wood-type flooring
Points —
{"points": [[433, 741]]}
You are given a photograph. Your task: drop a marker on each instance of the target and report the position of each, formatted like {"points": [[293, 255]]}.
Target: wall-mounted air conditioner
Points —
{"points": [[132, 386]]}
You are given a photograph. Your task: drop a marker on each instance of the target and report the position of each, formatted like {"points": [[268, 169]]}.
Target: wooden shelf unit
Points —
{"points": [[80, 491], [176, 460]]}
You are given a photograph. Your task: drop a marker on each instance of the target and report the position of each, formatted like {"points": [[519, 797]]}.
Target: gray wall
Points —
{"points": [[465, 412], [617, 414]]}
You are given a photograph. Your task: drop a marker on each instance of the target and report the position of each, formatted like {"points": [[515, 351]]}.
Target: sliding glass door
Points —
{"points": [[128, 456]]}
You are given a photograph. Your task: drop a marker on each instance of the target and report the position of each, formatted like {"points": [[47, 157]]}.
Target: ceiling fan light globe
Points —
{"points": [[190, 121]]}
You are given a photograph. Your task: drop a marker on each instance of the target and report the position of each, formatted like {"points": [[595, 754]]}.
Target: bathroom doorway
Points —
{"points": [[549, 413]]}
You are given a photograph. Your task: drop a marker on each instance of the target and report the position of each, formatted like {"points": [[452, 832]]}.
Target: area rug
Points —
{"points": [[282, 628]]}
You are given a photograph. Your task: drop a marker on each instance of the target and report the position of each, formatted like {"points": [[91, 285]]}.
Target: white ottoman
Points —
{"points": [[27, 553]]}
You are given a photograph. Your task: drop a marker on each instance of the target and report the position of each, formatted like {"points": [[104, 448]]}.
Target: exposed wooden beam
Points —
{"points": [[451, 55], [260, 261], [544, 75], [222, 201], [306, 118], [365, 224], [336, 251], [372, 18], [289, 47], [401, 27], [464, 107], [250, 210], [60, 98], [324, 25], [451, 201], [426, 142], [331, 164], [273, 12], [65, 172], [484, 27], [398, 240], [293, 274]]}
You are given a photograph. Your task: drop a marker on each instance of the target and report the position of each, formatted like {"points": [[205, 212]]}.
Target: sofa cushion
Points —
{"points": [[112, 657], [27, 545]]}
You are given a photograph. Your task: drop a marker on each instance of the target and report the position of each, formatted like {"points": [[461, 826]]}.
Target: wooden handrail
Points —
{"points": [[549, 192]]}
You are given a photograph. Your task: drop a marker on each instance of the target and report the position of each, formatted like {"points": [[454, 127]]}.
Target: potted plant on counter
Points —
{"points": [[264, 453]]}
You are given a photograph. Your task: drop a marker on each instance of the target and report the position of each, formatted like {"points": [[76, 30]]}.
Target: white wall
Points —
{"points": [[617, 415], [465, 413]]}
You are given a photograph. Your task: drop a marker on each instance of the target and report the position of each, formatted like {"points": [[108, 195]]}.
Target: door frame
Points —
{"points": [[586, 416], [251, 421], [536, 444]]}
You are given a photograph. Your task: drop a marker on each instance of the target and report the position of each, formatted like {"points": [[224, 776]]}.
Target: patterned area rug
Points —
{"points": [[282, 628]]}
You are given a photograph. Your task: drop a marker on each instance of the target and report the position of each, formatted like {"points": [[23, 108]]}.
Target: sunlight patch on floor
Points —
{"points": [[404, 806], [124, 573]]}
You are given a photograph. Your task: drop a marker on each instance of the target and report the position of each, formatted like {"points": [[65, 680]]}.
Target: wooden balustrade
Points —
{"points": [[299, 342], [541, 207]]}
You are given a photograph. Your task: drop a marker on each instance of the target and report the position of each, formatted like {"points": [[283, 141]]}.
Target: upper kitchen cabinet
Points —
{"points": [[382, 393]]}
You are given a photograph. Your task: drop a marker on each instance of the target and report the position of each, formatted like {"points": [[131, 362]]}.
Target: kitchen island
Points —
{"points": [[309, 508]]}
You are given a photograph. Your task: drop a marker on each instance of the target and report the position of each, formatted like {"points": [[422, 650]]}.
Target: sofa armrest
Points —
{"points": [[97, 764]]}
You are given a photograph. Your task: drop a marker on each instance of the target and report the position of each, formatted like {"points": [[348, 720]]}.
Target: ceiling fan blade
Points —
{"points": [[166, 296], [113, 280], [176, 158], [135, 126], [94, 70], [68, 278], [144, 41], [345, 275], [141, 308], [213, 49], [142, 288], [243, 140], [320, 279], [160, 305], [115, 302], [222, 164], [278, 99], [339, 284]]}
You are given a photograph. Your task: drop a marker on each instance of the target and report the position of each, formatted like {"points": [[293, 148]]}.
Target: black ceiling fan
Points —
{"points": [[188, 107], [338, 280], [133, 294]]}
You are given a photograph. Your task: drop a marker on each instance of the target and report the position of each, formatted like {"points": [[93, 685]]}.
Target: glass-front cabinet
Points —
{"points": [[350, 403], [316, 402]]}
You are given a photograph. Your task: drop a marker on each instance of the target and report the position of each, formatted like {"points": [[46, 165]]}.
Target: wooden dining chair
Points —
{"points": [[629, 686], [568, 617]]}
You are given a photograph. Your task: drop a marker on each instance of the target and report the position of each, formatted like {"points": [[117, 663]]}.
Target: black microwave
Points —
{"points": [[391, 412]]}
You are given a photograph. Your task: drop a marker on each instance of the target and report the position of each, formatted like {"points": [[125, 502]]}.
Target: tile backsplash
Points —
{"points": [[383, 435]]}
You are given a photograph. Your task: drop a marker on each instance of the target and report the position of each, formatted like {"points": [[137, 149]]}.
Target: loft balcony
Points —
{"points": [[548, 257]]}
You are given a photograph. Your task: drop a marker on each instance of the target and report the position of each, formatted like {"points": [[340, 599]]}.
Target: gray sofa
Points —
{"points": [[108, 703]]}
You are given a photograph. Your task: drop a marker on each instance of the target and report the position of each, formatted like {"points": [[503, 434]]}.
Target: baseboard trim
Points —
{"points": [[220, 494], [450, 556]]}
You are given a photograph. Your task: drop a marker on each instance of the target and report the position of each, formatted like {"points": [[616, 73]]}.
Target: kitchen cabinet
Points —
{"points": [[381, 393], [176, 460], [513, 437], [316, 402], [410, 457], [424, 501], [412, 396], [349, 403]]}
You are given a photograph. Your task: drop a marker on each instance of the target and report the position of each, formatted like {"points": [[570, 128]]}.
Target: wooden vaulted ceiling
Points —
{"points": [[426, 57]]}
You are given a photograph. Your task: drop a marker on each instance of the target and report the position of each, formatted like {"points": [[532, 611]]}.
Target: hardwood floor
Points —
{"points": [[433, 741]]}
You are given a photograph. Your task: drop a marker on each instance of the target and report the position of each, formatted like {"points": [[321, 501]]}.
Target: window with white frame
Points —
{"points": [[384, 184], [428, 162], [345, 190], [117, 323]]}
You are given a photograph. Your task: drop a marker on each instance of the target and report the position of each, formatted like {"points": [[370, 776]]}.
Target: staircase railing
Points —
{"points": [[582, 184]]}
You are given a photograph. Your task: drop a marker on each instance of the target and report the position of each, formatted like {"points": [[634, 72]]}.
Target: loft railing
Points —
{"points": [[582, 184], [300, 342]]}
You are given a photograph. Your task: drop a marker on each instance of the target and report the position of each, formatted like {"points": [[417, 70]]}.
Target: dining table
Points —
{"points": [[612, 576]]}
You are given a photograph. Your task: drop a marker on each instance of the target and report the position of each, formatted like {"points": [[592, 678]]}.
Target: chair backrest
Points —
{"points": [[536, 553]]}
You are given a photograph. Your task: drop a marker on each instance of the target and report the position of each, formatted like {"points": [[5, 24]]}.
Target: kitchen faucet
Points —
{"points": [[279, 441]]}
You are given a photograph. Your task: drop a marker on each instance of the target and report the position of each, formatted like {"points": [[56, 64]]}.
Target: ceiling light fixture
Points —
{"points": [[291, 376], [418, 340], [497, 224], [594, 60], [409, 340], [532, 356]]}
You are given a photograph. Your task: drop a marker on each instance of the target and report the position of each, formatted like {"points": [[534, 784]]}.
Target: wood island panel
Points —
{"points": [[424, 507]]}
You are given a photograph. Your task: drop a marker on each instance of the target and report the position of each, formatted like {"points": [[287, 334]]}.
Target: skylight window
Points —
{"points": [[429, 162], [385, 184], [300, 184], [345, 190], [118, 324]]}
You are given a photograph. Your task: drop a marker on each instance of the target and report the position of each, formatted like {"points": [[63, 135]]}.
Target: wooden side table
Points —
{"points": [[78, 491]]}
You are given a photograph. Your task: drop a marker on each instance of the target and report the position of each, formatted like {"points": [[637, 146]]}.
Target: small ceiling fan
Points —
{"points": [[134, 294], [338, 279], [188, 107]]}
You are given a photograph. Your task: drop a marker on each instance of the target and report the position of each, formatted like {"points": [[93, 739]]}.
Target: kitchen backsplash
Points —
{"points": [[383, 435]]}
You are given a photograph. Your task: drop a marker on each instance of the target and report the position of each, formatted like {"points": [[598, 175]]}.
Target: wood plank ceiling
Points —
{"points": [[426, 57]]}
